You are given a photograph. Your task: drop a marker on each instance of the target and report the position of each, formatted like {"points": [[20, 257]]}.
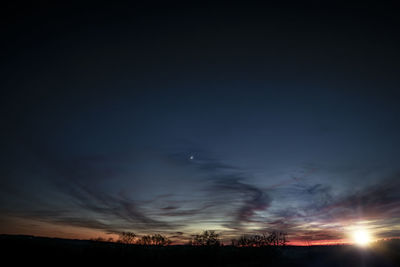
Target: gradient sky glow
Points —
{"points": [[180, 119]]}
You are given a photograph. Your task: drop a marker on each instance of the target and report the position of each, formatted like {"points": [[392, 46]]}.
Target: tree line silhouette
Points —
{"points": [[146, 240], [207, 238], [275, 238]]}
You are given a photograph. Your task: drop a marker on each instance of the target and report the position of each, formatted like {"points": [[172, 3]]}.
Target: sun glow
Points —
{"points": [[361, 238]]}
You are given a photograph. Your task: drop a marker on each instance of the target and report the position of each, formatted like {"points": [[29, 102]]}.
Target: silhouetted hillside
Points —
{"points": [[33, 250]]}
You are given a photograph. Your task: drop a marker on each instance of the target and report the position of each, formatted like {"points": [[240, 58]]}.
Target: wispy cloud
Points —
{"points": [[249, 198], [226, 197]]}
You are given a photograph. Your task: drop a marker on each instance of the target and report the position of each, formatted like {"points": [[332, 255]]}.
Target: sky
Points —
{"points": [[175, 119]]}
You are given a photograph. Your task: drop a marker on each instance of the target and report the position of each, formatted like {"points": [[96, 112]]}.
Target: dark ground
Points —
{"points": [[36, 250]]}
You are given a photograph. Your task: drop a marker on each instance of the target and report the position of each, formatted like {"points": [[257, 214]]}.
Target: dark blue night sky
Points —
{"points": [[178, 119]]}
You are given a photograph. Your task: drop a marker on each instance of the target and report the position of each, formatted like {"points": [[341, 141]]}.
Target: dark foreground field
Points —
{"points": [[30, 250]]}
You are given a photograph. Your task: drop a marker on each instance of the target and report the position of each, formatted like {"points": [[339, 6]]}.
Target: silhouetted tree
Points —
{"points": [[274, 238], [145, 240], [278, 238], [207, 238], [160, 240], [154, 240], [253, 240], [127, 237], [244, 241]]}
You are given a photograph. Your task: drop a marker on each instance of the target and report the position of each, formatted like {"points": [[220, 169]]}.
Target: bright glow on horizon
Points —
{"points": [[361, 238]]}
